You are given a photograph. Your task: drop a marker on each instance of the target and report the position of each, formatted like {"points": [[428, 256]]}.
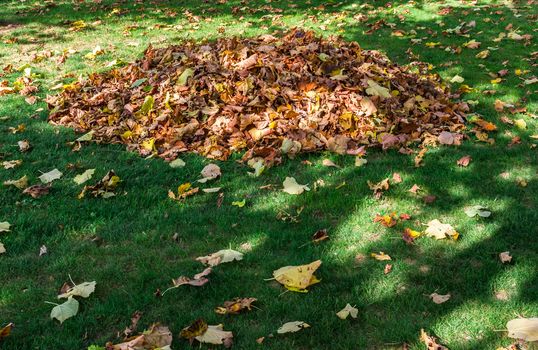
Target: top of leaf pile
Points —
{"points": [[259, 94]]}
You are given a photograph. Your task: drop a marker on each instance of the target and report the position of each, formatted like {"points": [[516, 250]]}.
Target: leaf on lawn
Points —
{"points": [[239, 204], [24, 146], [6, 330], [210, 172], [386, 220], [52, 175], [235, 306], [197, 281], [379, 187], [505, 257], [381, 256], [347, 311], [196, 329], [10, 164], [439, 298], [409, 235], [216, 335], [329, 163], [177, 163], [464, 161], [446, 138], [320, 235], [156, 337], [523, 328], [292, 327], [431, 342], [5, 226], [64, 311], [103, 188], [359, 161], [222, 256], [19, 183], [477, 210], [211, 190], [297, 278], [86, 137], [2, 248], [439, 230], [292, 187], [84, 290], [37, 191], [85, 176], [128, 331]]}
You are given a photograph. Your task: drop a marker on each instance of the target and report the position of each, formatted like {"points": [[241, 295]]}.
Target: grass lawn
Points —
{"points": [[126, 243]]}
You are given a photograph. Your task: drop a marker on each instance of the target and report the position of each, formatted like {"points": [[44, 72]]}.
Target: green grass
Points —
{"points": [[136, 253]]}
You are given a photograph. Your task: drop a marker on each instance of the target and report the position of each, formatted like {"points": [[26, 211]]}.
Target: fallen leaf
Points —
{"points": [[128, 331], [37, 191], [430, 342], [66, 310], [52, 175], [85, 176], [222, 256], [5, 226], [464, 161], [235, 306], [216, 335], [439, 230], [347, 311], [2, 248], [375, 89], [210, 172], [19, 183], [10, 164], [156, 337], [6, 330], [196, 329], [239, 204], [297, 278], [103, 188], [386, 220], [446, 138], [177, 163], [24, 146], [292, 327], [523, 328], [477, 210], [387, 269], [359, 161], [292, 187], [329, 163], [439, 298], [414, 189], [505, 257], [320, 235], [197, 281], [396, 178], [380, 256], [43, 250], [379, 187], [84, 290]]}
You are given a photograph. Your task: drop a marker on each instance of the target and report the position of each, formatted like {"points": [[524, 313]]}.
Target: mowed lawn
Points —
{"points": [[136, 242]]}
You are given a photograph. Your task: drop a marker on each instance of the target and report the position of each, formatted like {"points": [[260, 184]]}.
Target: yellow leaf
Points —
{"points": [[521, 124], [297, 278], [347, 311], [149, 144], [381, 256], [239, 204]]}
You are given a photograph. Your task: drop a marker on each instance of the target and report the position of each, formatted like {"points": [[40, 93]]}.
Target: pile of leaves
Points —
{"points": [[267, 95]]}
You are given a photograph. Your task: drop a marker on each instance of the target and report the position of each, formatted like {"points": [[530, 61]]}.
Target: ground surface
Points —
{"points": [[135, 253]]}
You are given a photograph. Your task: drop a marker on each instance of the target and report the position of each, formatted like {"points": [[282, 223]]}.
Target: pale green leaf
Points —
{"points": [[64, 311], [85, 176], [52, 175], [182, 79], [82, 290]]}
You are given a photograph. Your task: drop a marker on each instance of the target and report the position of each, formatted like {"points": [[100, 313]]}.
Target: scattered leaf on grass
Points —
{"points": [[386, 220], [2, 248], [85, 176], [380, 256], [24, 146], [379, 187], [439, 230], [103, 188], [430, 342], [52, 175], [197, 281], [523, 328], [347, 311], [43, 250], [210, 172], [6, 330], [292, 327], [84, 290], [10, 164], [177, 163], [477, 210], [439, 298], [297, 278], [464, 161], [196, 329], [216, 335], [235, 306], [5, 226], [409, 235], [19, 183], [37, 191], [156, 337], [329, 163], [222, 256], [292, 187], [239, 204], [320, 235], [505, 257], [387, 269], [66, 310]]}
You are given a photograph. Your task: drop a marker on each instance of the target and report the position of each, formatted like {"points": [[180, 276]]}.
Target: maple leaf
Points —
{"points": [[523, 328], [380, 256], [235, 306], [83, 290], [430, 342], [37, 191], [85, 176], [292, 187], [156, 337], [19, 183], [439, 230], [52, 175]]}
